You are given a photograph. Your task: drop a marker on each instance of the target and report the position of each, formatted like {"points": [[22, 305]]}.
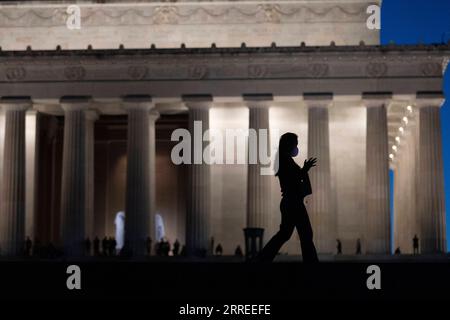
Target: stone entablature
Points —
{"points": [[168, 24], [223, 72]]}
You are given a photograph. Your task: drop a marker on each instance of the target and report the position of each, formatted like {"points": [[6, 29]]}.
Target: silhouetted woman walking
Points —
{"points": [[295, 185]]}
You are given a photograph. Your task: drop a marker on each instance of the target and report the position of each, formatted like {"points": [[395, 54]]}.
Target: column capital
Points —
{"points": [[318, 100], [376, 99], [258, 100], [15, 103], [31, 112], [153, 115], [91, 114], [73, 103], [429, 99], [198, 101], [133, 102]]}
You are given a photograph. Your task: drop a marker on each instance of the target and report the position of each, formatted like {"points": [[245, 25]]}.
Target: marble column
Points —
{"points": [[31, 163], [405, 165], [431, 176], [319, 203], [137, 204], [258, 185], [13, 185], [377, 231], [73, 184], [199, 178], [153, 116], [91, 117]]}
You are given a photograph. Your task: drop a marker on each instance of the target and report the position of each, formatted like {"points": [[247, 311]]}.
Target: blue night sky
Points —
{"points": [[414, 21]]}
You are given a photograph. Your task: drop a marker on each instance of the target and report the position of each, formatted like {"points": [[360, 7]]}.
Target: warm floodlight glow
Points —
{"points": [[394, 148], [397, 139]]}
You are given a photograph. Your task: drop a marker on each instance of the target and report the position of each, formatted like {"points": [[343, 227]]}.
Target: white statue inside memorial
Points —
{"points": [[120, 229], [159, 225]]}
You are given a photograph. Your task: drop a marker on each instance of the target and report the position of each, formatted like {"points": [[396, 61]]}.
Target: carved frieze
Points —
{"points": [[74, 73], [15, 73], [431, 69], [137, 72], [257, 71], [376, 69], [198, 72], [318, 70], [215, 64], [185, 13], [165, 15]]}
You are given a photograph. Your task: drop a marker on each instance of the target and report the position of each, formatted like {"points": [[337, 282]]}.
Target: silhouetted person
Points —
{"points": [[219, 250], [358, 246], [183, 251], [112, 243], [397, 251], [87, 246], [28, 246], [295, 186], [149, 246], [158, 248], [176, 247], [238, 252], [96, 246], [37, 249], [105, 246], [416, 244], [166, 247], [339, 246]]}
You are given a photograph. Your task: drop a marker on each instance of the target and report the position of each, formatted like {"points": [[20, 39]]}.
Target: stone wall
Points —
{"points": [[196, 24]]}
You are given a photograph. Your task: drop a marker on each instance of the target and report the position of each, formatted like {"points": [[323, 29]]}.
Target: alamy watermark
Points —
{"points": [[374, 20], [73, 21], [229, 146]]}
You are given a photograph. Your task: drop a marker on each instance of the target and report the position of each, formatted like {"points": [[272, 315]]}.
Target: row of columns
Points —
{"points": [[77, 177], [77, 169], [320, 204], [419, 207], [77, 187], [431, 207]]}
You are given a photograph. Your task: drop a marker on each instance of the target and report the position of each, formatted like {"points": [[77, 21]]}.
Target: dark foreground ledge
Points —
{"points": [[181, 281]]}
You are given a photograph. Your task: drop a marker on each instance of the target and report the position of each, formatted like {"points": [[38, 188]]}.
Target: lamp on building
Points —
{"points": [[405, 120]]}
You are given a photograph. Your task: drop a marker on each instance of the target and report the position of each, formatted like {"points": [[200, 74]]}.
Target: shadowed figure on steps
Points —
{"points": [[295, 185]]}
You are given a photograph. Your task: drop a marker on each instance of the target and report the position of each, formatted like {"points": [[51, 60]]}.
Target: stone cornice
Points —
{"points": [[403, 50]]}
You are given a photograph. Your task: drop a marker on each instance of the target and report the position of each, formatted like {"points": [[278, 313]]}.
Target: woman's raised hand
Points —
{"points": [[308, 164]]}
